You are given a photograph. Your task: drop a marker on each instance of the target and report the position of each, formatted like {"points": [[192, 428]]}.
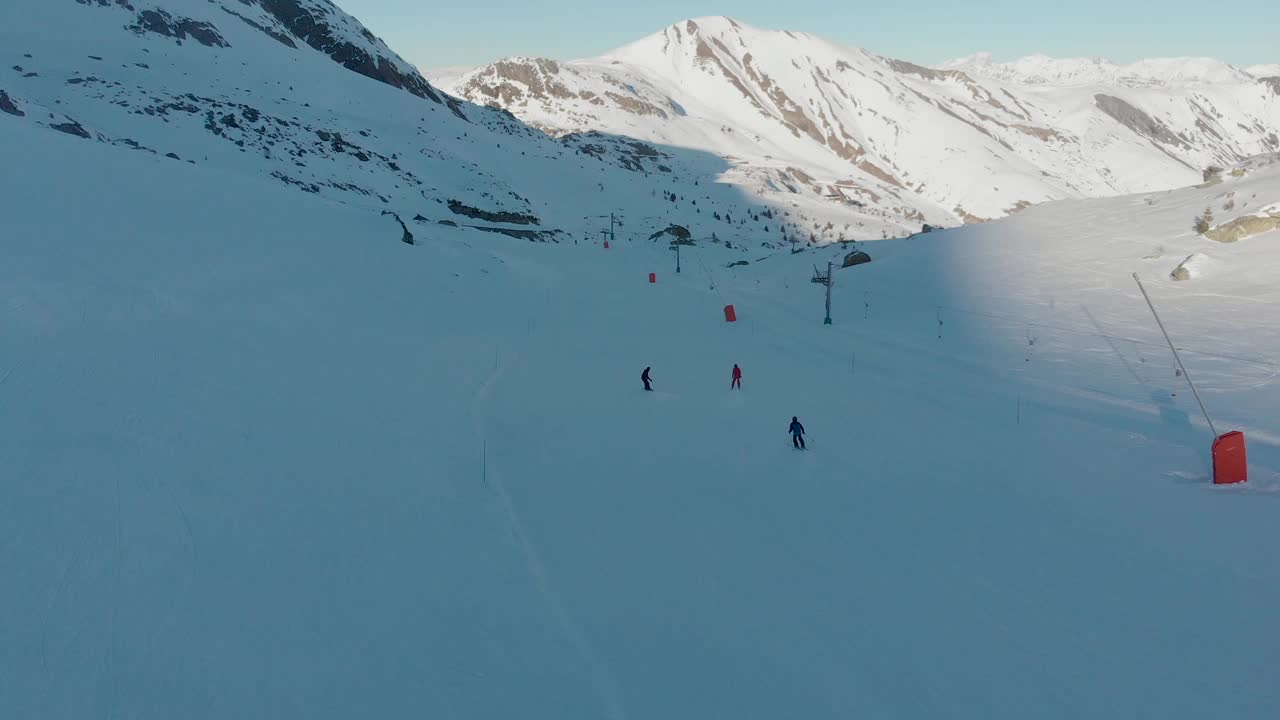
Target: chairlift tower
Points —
{"points": [[825, 279]]}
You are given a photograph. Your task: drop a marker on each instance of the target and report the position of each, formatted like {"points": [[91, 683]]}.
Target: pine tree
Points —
{"points": [[1204, 222]]}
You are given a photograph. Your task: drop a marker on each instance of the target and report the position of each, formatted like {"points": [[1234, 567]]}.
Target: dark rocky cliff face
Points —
{"points": [[308, 24], [7, 105], [160, 22]]}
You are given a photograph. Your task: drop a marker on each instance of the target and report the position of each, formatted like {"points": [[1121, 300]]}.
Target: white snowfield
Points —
{"points": [[258, 459]]}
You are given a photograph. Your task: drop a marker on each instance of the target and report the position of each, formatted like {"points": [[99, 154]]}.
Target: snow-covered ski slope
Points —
{"points": [[261, 460]]}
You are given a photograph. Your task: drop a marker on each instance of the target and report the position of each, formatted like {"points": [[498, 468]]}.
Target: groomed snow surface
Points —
{"points": [[261, 460]]}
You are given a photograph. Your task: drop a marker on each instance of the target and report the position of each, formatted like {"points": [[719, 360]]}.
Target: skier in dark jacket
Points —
{"points": [[797, 434], [737, 377], [644, 377]]}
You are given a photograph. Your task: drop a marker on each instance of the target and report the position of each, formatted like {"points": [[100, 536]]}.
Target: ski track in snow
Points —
{"points": [[601, 678]]}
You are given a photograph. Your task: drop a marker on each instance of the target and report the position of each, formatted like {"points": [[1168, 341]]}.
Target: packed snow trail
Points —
{"points": [[493, 478], [244, 472]]}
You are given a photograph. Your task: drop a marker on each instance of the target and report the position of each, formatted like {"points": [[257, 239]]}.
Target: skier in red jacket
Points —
{"points": [[737, 378]]}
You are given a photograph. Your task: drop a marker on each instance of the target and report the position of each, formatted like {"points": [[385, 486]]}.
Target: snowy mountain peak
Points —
{"points": [[792, 114]]}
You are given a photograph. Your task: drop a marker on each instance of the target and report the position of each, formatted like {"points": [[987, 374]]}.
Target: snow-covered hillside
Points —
{"points": [[259, 461], [901, 143], [299, 92]]}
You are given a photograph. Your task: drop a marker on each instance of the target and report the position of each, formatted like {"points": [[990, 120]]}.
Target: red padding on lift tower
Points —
{"points": [[653, 278], [1229, 463], [606, 244], [729, 314]]}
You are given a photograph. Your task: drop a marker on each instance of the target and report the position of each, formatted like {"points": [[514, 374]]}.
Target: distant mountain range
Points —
{"points": [[795, 115]]}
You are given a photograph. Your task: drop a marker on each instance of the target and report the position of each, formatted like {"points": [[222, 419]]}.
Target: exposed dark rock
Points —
{"points": [[448, 223], [304, 186], [677, 233], [319, 35], [178, 28], [457, 208], [269, 32], [407, 237], [740, 263], [857, 257], [530, 235], [107, 3], [927, 228], [7, 105], [72, 128], [1190, 268], [1136, 120], [172, 156], [1271, 82], [455, 105]]}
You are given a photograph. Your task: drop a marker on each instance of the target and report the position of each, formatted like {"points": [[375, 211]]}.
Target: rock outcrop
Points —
{"points": [[7, 105], [311, 23], [676, 233], [857, 257], [1245, 227], [458, 208], [162, 23]]}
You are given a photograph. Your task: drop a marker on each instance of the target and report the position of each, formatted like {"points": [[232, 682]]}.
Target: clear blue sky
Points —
{"points": [[440, 33]]}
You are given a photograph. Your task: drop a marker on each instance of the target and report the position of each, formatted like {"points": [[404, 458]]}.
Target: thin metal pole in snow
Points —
{"points": [[830, 281], [1176, 357]]}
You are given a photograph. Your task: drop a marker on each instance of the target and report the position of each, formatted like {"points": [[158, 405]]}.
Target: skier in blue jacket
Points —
{"points": [[797, 434]]}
